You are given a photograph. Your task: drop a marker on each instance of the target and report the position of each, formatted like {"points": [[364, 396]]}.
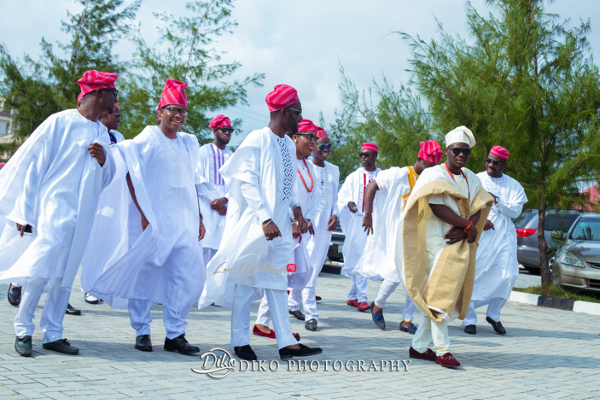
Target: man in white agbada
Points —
{"points": [[49, 190], [257, 243], [212, 194], [324, 221], [436, 245], [304, 186], [351, 203], [111, 121], [144, 248], [497, 267], [378, 259]]}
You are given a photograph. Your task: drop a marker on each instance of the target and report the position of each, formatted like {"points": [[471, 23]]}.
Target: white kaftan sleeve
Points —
{"points": [[435, 199], [514, 205], [255, 202]]}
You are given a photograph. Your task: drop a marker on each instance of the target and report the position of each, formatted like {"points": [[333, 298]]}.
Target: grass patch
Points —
{"points": [[560, 293]]}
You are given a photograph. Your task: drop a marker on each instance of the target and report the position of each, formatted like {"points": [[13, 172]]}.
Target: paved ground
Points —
{"points": [[547, 353]]}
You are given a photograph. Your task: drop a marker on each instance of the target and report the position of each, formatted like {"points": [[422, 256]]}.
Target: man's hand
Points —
{"points": [[455, 235], [488, 225], [97, 151], [21, 228], [368, 223], [270, 230], [296, 233], [332, 224], [493, 195], [311, 229], [352, 207], [472, 234], [202, 230], [299, 218], [219, 205]]}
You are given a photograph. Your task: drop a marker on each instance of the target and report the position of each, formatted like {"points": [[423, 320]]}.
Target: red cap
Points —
{"points": [[94, 80], [306, 125], [80, 96], [173, 93], [219, 121], [500, 152], [370, 146], [321, 132], [431, 151], [281, 97]]}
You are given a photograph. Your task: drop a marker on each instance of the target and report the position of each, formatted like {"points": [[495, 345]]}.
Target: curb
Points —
{"points": [[553, 302]]}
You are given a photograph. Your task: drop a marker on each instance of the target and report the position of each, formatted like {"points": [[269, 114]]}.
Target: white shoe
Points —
{"points": [[91, 299]]}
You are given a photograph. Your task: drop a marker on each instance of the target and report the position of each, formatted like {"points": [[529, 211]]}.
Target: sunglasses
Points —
{"points": [[174, 111], [325, 146], [466, 152], [115, 91], [310, 136], [494, 163], [226, 130], [365, 155], [295, 109]]}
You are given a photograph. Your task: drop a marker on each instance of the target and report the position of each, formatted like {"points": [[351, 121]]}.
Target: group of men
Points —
{"points": [[161, 220]]}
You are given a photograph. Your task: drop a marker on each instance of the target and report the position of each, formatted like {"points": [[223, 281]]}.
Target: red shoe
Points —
{"points": [[428, 355], [270, 335], [447, 360], [363, 306], [318, 298], [353, 303]]}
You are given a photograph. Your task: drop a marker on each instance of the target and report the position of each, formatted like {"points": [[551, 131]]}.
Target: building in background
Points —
{"points": [[7, 128]]}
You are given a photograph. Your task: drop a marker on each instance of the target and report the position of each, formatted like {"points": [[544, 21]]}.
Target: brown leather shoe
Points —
{"points": [[447, 360], [428, 355]]}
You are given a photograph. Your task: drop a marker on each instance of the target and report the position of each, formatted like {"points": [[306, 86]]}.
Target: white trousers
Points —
{"points": [[358, 290], [140, 317], [385, 290], [277, 307], [308, 296], [493, 310], [54, 308], [429, 332], [208, 254]]}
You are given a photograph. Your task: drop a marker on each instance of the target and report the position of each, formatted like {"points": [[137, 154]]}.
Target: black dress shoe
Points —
{"points": [[245, 353], [14, 295], [62, 346], [298, 314], [181, 345], [143, 343], [303, 351], [378, 317], [471, 329], [72, 310], [311, 324], [23, 345], [497, 326]]}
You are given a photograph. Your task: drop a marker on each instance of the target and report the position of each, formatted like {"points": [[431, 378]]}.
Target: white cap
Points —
{"points": [[462, 134]]}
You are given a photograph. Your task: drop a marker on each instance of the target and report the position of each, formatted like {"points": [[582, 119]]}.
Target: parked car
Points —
{"points": [[528, 254], [577, 264], [336, 245]]}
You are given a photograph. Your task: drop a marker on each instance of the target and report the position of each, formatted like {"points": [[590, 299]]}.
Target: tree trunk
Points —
{"points": [[543, 246]]}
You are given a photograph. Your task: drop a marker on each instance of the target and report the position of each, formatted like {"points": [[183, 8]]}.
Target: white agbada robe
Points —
{"points": [[53, 184], [497, 267], [327, 180], [353, 189], [162, 264], [211, 159], [262, 171]]}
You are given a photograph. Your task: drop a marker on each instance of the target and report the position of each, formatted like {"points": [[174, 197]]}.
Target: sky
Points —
{"points": [[301, 43]]}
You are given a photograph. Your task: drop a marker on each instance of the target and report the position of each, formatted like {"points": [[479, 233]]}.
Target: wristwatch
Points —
{"points": [[496, 200]]}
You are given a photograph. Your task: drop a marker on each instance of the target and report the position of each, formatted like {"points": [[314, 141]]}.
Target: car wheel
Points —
{"points": [[533, 270]]}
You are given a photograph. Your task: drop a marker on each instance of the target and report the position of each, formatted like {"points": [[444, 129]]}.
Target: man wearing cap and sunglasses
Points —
{"points": [[212, 193], [436, 245], [351, 205], [497, 267]]}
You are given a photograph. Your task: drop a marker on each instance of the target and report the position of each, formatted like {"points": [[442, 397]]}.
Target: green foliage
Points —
{"points": [[184, 53], [37, 95]]}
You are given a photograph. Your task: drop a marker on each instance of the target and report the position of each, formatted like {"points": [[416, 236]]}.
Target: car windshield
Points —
{"points": [[557, 221], [587, 228]]}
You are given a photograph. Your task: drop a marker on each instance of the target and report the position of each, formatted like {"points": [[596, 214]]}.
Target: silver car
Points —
{"points": [[528, 253], [577, 264]]}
